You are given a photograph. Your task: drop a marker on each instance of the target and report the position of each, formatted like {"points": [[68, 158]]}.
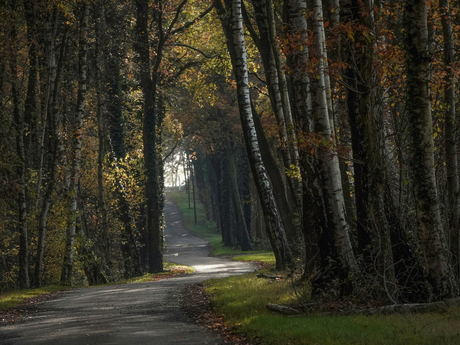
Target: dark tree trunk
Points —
{"points": [[418, 107], [149, 86], [242, 231]]}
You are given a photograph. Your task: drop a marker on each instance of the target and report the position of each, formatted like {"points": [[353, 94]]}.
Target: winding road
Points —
{"points": [[130, 314]]}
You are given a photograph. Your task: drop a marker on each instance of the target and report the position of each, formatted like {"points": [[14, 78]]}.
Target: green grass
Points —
{"points": [[203, 229], [13, 298], [268, 258], [243, 299]]}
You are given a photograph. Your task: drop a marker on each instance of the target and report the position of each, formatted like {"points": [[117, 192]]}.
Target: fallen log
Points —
{"points": [[282, 309]]}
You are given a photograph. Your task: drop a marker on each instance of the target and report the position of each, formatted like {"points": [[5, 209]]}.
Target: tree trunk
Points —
{"points": [[149, 137], [242, 232], [368, 142], [21, 170], [100, 30], [293, 234], [77, 144], [225, 203], [328, 154], [271, 75], [237, 47], [418, 107], [52, 113], [279, 98], [451, 134]]}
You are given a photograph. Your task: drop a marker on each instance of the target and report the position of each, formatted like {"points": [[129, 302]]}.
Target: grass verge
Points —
{"points": [[203, 228], [13, 298], [268, 258], [242, 301]]}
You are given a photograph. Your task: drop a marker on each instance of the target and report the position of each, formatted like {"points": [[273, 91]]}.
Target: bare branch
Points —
{"points": [[176, 17], [195, 49], [171, 152], [189, 24]]}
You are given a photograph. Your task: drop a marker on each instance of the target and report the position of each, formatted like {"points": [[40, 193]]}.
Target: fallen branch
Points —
{"points": [[282, 309], [261, 275]]}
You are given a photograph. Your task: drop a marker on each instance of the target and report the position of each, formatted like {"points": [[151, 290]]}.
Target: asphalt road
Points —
{"points": [[137, 314]]}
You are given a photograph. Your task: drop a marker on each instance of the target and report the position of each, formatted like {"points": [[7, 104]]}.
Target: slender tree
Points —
{"points": [[77, 146], [233, 28]]}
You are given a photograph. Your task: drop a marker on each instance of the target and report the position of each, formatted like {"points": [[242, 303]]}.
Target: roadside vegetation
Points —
{"points": [[13, 298], [242, 301]]}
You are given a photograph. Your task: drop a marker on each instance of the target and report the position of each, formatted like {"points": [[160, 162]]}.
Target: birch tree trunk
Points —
{"points": [[66, 274], [237, 47], [283, 87], [279, 98], [297, 61], [271, 75], [418, 107], [328, 155]]}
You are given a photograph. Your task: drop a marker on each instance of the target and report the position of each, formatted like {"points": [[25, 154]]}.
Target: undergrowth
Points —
{"points": [[242, 300]]}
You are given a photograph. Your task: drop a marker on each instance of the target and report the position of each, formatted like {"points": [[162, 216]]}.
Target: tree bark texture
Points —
{"points": [[155, 237], [279, 98], [451, 131], [101, 129], [328, 155], [242, 232], [52, 115], [21, 170], [237, 47], [77, 145], [368, 143], [418, 107]]}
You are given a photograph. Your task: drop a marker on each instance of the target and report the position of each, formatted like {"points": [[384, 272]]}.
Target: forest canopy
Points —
{"points": [[324, 130]]}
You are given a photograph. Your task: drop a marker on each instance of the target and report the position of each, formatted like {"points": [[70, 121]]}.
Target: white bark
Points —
{"points": [[275, 226], [329, 155]]}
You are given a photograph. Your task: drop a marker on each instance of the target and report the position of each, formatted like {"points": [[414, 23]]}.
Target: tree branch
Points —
{"points": [[195, 49], [247, 21], [189, 24], [176, 17], [171, 152]]}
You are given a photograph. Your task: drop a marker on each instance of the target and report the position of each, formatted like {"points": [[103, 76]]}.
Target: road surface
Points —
{"points": [[129, 314]]}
